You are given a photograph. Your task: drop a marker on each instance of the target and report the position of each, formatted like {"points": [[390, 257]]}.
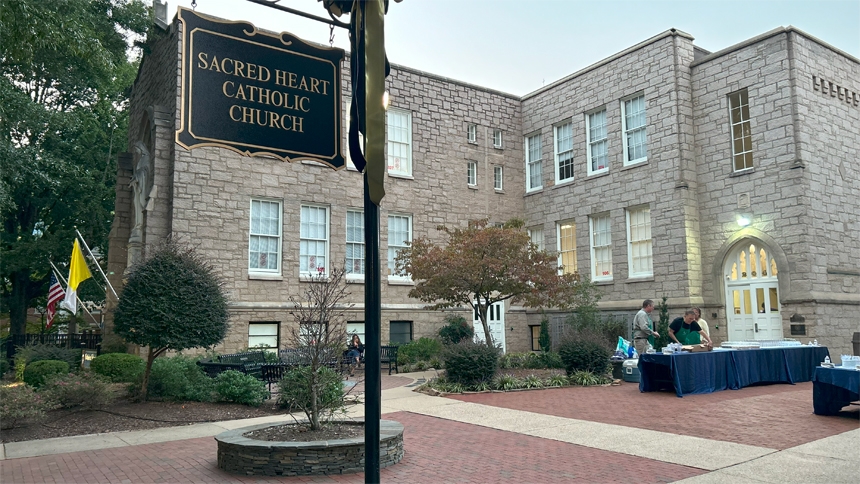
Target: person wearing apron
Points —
{"points": [[686, 330]]}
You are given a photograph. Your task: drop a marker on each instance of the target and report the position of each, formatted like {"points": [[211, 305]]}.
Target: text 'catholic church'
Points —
{"points": [[726, 180]]}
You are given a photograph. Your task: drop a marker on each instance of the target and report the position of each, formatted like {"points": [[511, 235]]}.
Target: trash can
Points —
{"points": [[617, 371], [856, 342]]}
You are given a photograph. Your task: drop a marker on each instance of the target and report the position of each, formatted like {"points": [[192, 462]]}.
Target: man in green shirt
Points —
{"points": [[686, 330]]}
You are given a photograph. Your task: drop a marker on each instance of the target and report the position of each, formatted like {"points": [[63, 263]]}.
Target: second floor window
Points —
{"points": [[633, 125], [639, 241], [497, 138], [596, 145], [601, 248], [472, 173], [739, 108], [497, 178], [399, 142], [472, 133], [399, 237], [264, 244], [354, 243], [564, 152], [566, 247], [534, 174], [313, 240]]}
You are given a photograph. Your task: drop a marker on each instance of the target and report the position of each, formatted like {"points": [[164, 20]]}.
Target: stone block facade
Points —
{"points": [[800, 192]]}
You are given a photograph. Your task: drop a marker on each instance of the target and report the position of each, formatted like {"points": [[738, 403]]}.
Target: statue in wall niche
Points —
{"points": [[140, 181]]}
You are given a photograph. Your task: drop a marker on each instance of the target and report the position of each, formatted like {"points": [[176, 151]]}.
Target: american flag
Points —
{"points": [[55, 295]]}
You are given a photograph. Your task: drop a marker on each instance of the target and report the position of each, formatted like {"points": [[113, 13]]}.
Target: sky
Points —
{"points": [[518, 46]]}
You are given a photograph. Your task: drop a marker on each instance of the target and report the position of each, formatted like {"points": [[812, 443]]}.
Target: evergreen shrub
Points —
{"points": [[119, 367], [584, 355], [86, 390], [456, 330], [236, 387], [422, 349], [295, 394], [33, 352], [469, 363], [20, 403], [36, 373], [180, 378]]}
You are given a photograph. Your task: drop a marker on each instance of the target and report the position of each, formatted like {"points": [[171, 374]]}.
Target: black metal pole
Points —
{"points": [[373, 324]]}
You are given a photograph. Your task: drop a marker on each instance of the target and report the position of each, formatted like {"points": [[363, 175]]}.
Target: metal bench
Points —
{"points": [[250, 362], [388, 355]]}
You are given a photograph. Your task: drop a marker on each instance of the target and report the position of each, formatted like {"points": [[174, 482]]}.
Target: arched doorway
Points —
{"points": [[752, 293]]}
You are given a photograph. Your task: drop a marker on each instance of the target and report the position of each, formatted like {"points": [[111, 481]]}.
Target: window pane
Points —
{"points": [[400, 332]]}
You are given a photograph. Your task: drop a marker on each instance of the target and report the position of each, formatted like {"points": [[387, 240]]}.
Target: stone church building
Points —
{"points": [[727, 180]]}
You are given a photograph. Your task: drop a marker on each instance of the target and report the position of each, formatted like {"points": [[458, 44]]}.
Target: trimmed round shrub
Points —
{"points": [[180, 378], [422, 349], [584, 355], [469, 363], [37, 372], [33, 352], [236, 387], [86, 390], [119, 367], [19, 403], [456, 330], [295, 391]]}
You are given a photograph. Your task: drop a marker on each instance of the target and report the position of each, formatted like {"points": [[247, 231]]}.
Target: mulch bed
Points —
{"points": [[303, 433]]}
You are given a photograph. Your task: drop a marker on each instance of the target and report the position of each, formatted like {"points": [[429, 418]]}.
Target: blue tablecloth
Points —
{"points": [[834, 388], [706, 372]]}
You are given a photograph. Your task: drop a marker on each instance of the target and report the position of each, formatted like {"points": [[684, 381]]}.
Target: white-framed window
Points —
{"points": [[739, 111], [639, 243], [472, 173], [536, 234], [399, 142], [355, 327], [601, 248], [313, 240], [354, 244], [497, 177], [564, 152], [634, 137], [400, 332], [566, 233], [263, 335], [399, 237], [497, 138], [596, 144], [534, 173], [472, 133], [264, 237]]}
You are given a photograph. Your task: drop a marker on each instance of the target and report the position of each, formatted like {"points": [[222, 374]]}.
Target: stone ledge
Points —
{"points": [[241, 455]]}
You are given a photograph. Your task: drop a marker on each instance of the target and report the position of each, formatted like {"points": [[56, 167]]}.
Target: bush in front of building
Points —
{"points": [[455, 330], [584, 355], [543, 339], [530, 360], [119, 367], [86, 390], [236, 387], [295, 392], [36, 373], [33, 352], [470, 363], [179, 378], [20, 403], [422, 349]]}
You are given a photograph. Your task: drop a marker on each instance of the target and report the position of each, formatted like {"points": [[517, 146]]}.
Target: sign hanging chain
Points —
{"points": [[331, 35]]}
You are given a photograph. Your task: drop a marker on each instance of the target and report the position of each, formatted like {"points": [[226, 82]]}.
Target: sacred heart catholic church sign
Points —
{"points": [[258, 93]]}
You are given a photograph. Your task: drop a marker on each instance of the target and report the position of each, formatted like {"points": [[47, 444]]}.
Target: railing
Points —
{"points": [[90, 341]]}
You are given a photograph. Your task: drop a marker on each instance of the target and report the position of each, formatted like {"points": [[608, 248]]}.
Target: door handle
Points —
{"points": [[756, 327]]}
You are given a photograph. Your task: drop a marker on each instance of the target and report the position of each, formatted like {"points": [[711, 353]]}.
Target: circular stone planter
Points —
{"points": [[241, 455]]}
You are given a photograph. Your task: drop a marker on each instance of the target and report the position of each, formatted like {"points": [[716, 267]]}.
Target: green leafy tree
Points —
{"points": [[482, 265], [544, 339], [65, 73], [662, 325], [172, 301]]}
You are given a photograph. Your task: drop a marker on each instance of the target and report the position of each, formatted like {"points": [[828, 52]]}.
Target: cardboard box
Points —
{"points": [[696, 348]]}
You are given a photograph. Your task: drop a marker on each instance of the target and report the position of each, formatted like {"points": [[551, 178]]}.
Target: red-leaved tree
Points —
{"points": [[482, 265]]}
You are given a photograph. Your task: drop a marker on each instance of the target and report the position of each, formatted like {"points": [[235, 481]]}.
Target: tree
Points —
{"points": [[65, 73], [662, 325], [482, 265], [544, 340], [172, 301], [320, 336]]}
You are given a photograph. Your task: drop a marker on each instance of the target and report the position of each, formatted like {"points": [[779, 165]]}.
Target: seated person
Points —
{"points": [[686, 330], [353, 353]]}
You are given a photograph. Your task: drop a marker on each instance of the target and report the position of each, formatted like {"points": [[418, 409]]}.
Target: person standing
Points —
{"points": [[643, 327], [686, 331], [702, 323]]}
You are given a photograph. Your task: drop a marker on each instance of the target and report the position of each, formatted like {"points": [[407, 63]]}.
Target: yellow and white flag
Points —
{"points": [[78, 273]]}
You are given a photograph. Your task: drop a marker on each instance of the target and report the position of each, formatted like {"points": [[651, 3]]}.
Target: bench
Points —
{"points": [[388, 355], [250, 362], [213, 368]]}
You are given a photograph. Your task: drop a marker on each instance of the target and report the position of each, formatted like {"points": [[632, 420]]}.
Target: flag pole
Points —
{"points": [[98, 266], [64, 283]]}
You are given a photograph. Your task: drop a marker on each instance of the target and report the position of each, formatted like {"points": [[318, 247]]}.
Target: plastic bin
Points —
{"points": [[631, 370]]}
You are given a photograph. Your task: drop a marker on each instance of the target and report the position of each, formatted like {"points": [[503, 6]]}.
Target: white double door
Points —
{"points": [[496, 320], [753, 311]]}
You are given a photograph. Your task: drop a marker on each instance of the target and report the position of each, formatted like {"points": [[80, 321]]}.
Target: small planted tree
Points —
{"points": [[544, 339], [320, 336], [662, 325], [173, 300], [481, 265]]}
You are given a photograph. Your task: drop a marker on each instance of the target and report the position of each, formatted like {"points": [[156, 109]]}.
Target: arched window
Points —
{"points": [[750, 263]]}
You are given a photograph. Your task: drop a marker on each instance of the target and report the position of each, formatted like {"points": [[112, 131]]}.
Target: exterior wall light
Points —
{"points": [[744, 219]]}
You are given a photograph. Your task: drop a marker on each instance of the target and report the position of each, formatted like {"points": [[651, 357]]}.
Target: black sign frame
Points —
{"points": [[276, 96]]}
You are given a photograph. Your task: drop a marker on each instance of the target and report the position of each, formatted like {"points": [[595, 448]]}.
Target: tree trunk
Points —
{"points": [[145, 385], [315, 406], [18, 302], [482, 313]]}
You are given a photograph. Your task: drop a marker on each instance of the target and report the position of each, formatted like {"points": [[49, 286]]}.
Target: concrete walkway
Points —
{"points": [[441, 430]]}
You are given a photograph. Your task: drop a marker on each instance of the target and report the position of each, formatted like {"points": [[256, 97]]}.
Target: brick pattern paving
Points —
{"points": [[773, 416], [437, 451]]}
